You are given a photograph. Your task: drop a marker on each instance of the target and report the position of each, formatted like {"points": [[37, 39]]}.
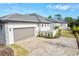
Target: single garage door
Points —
{"points": [[23, 33]]}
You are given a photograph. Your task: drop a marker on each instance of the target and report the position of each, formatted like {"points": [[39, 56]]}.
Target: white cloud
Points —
{"points": [[62, 7], [58, 7]]}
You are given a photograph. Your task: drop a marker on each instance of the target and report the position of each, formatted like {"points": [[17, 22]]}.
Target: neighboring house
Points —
{"points": [[64, 24], [15, 27], [54, 23]]}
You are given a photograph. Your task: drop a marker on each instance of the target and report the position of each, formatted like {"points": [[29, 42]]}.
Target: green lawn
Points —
{"points": [[18, 51], [67, 33]]}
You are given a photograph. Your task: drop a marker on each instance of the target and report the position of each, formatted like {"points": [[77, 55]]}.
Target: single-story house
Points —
{"points": [[54, 23], [62, 24], [15, 27]]}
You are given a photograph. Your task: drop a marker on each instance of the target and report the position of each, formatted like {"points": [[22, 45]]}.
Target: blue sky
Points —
{"points": [[44, 9]]}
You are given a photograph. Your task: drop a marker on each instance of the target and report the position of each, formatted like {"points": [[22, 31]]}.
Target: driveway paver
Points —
{"points": [[38, 46]]}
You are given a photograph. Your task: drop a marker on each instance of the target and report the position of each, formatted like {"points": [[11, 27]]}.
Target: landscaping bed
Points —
{"points": [[18, 51], [45, 34], [50, 34], [6, 51]]}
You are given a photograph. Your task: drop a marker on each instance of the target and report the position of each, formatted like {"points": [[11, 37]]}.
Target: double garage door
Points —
{"points": [[23, 33]]}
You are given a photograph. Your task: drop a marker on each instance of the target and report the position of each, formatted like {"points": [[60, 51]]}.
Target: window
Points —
{"points": [[0, 27], [10, 29], [45, 25], [42, 25]]}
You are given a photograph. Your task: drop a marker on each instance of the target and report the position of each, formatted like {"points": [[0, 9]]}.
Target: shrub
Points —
{"points": [[56, 27], [58, 34], [78, 28], [45, 34], [74, 28], [49, 35], [38, 34], [41, 34]]}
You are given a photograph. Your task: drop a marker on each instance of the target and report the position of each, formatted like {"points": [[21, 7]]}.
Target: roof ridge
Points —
{"points": [[35, 15], [11, 15]]}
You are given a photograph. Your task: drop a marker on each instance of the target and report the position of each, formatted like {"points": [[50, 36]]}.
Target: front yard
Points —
{"points": [[65, 45], [18, 50]]}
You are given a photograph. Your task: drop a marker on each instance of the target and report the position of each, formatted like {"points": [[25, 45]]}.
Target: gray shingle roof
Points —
{"points": [[19, 17], [24, 18], [40, 18], [54, 21], [57, 21], [62, 21]]}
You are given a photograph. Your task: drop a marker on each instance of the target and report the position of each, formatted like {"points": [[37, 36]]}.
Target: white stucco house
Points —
{"points": [[54, 23], [15, 27], [62, 24]]}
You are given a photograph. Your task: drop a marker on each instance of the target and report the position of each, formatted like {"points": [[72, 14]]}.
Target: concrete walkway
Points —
{"points": [[38, 46]]}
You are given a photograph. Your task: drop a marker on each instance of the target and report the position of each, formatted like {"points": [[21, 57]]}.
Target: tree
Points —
{"points": [[69, 19], [49, 17], [77, 19], [58, 16]]}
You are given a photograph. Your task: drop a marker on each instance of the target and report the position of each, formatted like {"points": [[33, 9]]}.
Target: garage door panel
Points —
{"points": [[23, 33]]}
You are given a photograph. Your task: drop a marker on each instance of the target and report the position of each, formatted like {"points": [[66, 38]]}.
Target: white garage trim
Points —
{"points": [[9, 36]]}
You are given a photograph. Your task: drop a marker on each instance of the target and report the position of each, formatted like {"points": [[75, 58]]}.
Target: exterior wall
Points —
{"points": [[2, 34], [44, 27], [9, 35]]}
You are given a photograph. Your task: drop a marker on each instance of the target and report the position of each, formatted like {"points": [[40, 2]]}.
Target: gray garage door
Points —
{"points": [[23, 33]]}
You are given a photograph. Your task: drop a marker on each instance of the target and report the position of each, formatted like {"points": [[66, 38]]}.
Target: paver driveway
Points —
{"points": [[38, 46]]}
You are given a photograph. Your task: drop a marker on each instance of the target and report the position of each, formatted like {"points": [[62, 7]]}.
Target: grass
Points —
{"points": [[67, 33], [18, 51]]}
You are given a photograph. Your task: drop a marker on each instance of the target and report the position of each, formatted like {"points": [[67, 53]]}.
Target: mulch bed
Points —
{"points": [[6, 51]]}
